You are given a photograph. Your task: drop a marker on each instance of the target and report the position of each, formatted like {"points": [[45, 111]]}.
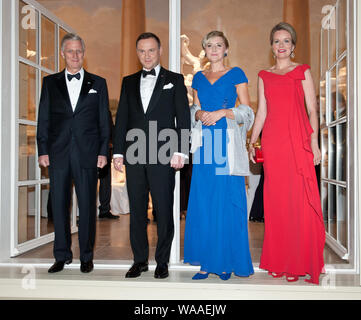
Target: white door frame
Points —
{"points": [[358, 114], [174, 65], [16, 248]]}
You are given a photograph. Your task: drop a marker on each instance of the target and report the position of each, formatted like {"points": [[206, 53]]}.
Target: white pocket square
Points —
{"points": [[168, 86], [92, 91]]}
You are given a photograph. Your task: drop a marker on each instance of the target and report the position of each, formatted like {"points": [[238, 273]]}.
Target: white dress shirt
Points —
{"points": [[147, 85], [74, 87]]}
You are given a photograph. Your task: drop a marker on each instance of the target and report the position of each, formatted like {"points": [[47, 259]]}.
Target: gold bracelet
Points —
{"points": [[254, 145]]}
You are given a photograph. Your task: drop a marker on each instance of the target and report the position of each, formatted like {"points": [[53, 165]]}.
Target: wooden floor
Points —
{"points": [[112, 242]]}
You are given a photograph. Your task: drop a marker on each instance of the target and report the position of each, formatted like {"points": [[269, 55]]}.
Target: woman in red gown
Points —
{"points": [[294, 235]]}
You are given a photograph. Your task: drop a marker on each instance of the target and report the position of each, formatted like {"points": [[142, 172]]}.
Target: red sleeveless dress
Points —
{"points": [[294, 235]]}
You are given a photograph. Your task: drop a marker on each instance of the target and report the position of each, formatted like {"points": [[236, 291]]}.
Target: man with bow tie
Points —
{"points": [[151, 98], [73, 136]]}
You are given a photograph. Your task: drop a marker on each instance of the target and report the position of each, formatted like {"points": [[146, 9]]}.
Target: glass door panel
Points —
{"points": [[324, 49], [27, 33], [46, 218], [341, 90], [342, 217], [333, 103], [27, 152], [332, 39], [26, 214], [38, 57], [334, 131], [27, 92], [341, 26], [62, 33], [47, 43]]}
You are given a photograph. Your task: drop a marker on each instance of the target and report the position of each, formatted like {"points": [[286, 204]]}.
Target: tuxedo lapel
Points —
{"points": [[157, 90], [85, 87], [63, 89], [137, 91]]}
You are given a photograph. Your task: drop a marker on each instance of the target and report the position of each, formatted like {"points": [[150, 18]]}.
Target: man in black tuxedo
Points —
{"points": [[73, 136], [151, 100]]}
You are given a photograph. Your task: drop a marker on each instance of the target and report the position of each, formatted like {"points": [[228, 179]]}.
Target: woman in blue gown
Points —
{"points": [[216, 232]]}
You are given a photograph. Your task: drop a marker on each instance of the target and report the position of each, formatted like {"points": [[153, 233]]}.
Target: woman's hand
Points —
{"points": [[200, 114], [251, 153], [211, 118], [316, 152]]}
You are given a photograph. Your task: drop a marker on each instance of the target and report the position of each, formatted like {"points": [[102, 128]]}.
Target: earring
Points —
{"points": [[225, 54], [292, 54]]}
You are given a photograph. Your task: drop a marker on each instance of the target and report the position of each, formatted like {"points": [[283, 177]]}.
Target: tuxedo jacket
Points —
{"points": [[88, 125], [168, 107]]}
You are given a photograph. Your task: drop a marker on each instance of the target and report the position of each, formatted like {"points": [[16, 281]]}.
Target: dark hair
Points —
{"points": [[147, 35], [287, 27]]}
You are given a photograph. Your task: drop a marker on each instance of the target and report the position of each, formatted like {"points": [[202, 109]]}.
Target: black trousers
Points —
{"points": [[257, 210], [160, 181], [85, 182], [105, 188], [185, 185]]}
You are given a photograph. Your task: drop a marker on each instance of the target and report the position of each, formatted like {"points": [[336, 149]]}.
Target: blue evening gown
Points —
{"points": [[216, 231]]}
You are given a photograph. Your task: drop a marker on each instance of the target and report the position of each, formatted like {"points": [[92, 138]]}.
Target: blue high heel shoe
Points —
{"points": [[224, 276], [200, 276]]}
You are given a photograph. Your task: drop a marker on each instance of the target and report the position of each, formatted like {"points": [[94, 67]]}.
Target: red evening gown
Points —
{"points": [[294, 235]]}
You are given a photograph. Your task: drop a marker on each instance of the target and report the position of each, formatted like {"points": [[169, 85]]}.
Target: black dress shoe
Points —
{"points": [[58, 266], [137, 269], [86, 267], [161, 271], [107, 215]]}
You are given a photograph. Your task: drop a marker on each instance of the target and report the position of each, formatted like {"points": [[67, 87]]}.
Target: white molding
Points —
{"points": [[337, 247], [35, 65], [358, 129], [14, 137], [1, 94], [174, 65]]}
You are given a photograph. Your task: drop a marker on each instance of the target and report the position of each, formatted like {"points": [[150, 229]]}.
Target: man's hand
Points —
{"points": [[44, 161], [118, 164], [177, 162], [102, 162]]}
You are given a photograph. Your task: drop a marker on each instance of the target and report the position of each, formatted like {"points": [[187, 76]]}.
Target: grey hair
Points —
{"points": [[74, 37]]}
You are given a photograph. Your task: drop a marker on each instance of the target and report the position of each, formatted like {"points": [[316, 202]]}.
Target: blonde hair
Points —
{"points": [[287, 27], [213, 34]]}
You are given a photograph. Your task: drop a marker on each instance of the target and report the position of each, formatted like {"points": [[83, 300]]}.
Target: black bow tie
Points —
{"points": [[145, 72], [76, 76]]}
